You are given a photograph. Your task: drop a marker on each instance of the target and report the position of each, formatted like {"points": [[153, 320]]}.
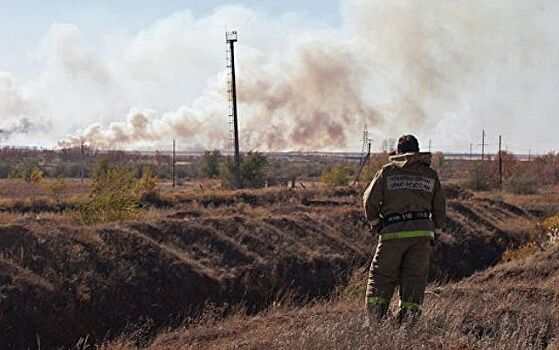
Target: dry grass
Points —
{"points": [[15, 189], [524, 251], [216, 247], [512, 306], [544, 203], [10, 218]]}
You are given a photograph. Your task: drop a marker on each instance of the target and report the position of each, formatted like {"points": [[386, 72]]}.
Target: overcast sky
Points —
{"points": [[134, 73]]}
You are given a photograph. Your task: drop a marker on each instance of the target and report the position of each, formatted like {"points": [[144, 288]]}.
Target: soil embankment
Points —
{"points": [[60, 282], [511, 306]]}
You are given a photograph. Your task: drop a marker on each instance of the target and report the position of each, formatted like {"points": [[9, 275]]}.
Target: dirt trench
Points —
{"points": [[63, 282]]}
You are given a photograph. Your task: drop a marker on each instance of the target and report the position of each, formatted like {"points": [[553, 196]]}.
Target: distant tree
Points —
{"points": [[338, 175], [112, 197], [101, 168], [547, 168], [147, 182], [511, 165], [57, 187], [375, 164], [253, 171], [146, 189], [163, 171], [227, 173], [438, 162], [211, 161], [31, 174], [481, 176], [522, 184], [4, 171]]}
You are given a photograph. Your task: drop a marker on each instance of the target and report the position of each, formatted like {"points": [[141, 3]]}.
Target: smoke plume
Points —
{"points": [[23, 126], [441, 70]]}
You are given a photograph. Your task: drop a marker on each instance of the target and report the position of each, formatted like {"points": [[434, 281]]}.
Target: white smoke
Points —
{"points": [[440, 69]]}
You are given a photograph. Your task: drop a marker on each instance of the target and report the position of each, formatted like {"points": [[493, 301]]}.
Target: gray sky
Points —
{"points": [[23, 23], [132, 73]]}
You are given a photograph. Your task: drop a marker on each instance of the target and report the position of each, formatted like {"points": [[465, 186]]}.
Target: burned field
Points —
{"points": [[61, 282]]}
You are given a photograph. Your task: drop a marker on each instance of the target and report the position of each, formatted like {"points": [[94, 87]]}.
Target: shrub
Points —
{"points": [[253, 171], [374, 165], [522, 184], [112, 197], [4, 171], [147, 182], [57, 187], [438, 162], [481, 177], [551, 225], [32, 175], [146, 189], [337, 176], [524, 251], [209, 167]]}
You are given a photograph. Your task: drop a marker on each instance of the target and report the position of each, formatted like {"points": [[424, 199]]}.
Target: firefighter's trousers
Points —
{"points": [[403, 262]]}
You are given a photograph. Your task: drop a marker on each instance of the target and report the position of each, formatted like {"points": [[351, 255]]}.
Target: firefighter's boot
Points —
{"points": [[376, 313], [409, 314]]}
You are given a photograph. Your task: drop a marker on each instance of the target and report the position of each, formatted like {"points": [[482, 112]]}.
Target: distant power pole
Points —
{"points": [[429, 145], [366, 147], [231, 39], [81, 162], [363, 162], [482, 144], [500, 165], [173, 163]]}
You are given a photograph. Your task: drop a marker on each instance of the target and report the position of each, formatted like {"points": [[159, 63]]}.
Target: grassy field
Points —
{"points": [[266, 268]]}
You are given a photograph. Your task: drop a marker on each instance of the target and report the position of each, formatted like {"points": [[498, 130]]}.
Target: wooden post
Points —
{"points": [[500, 165], [173, 163], [482, 145]]}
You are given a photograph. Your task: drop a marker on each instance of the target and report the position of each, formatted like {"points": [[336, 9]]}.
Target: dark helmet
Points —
{"points": [[407, 143]]}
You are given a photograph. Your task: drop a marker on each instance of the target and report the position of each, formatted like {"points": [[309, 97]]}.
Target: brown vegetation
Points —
{"points": [[62, 282], [511, 306]]}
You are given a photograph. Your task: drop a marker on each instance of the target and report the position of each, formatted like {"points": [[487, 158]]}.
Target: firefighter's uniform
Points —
{"points": [[407, 198]]}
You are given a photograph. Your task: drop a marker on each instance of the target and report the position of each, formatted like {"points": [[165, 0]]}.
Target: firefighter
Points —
{"points": [[405, 204]]}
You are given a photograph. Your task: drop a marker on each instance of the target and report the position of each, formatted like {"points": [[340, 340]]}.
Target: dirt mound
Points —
{"points": [[453, 191], [63, 282], [266, 197], [476, 234]]}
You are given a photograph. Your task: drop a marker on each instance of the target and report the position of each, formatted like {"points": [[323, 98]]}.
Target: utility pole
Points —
{"points": [[429, 145], [500, 165], [362, 165], [81, 163], [173, 163], [366, 147], [482, 144], [231, 39]]}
